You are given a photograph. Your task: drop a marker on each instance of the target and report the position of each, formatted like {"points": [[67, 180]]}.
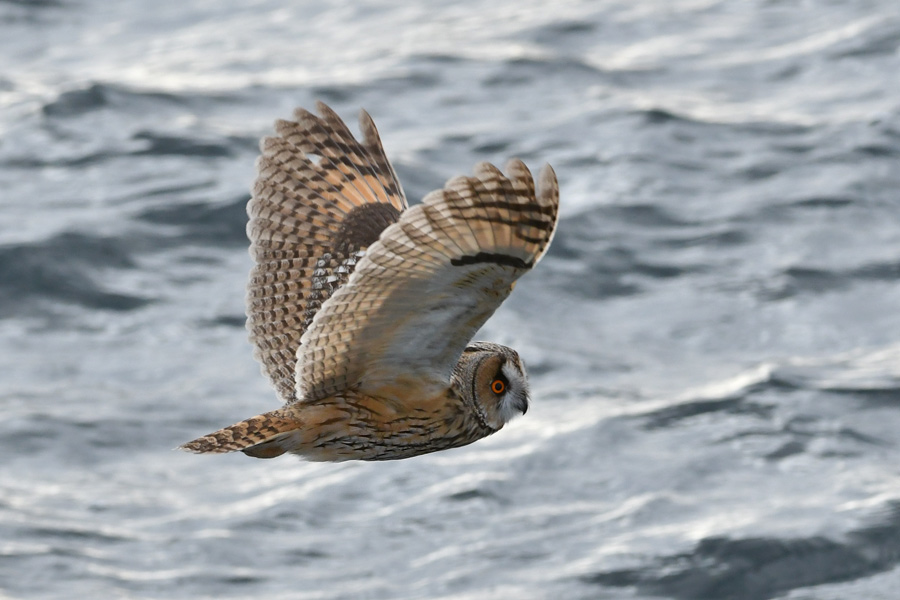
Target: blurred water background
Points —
{"points": [[713, 339]]}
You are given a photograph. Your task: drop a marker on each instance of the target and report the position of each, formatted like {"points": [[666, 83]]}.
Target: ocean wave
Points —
{"points": [[199, 223], [762, 568], [65, 268]]}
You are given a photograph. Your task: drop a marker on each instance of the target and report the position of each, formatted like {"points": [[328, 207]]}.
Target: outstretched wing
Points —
{"points": [[399, 325], [320, 199]]}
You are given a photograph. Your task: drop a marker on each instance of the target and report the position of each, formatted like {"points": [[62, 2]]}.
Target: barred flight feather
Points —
{"points": [[319, 200]]}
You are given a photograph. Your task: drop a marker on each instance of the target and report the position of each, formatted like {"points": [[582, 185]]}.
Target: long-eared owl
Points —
{"points": [[362, 309]]}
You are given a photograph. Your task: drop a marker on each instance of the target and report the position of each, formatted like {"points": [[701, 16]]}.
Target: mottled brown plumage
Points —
{"points": [[361, 310]]}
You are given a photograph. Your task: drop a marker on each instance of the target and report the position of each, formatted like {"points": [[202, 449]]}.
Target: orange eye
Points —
{"points": [[498, 387]]}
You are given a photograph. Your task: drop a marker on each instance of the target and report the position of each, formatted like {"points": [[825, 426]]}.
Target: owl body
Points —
{"points": [[354, 426], [362, 310]]}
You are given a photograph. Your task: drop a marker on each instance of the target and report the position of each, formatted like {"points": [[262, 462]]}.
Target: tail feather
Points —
{"points": [[255, 436]]}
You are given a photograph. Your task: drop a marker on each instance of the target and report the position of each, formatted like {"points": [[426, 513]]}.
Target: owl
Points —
{"points": [[362, 309]]}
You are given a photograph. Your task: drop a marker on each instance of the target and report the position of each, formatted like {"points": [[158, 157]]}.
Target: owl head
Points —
{"points": [[493, 378]]}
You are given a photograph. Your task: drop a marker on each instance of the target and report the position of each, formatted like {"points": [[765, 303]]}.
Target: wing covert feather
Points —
{"points": [[427, 285]]}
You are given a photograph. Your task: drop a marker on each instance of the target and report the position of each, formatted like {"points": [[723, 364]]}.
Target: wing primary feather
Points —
{"points": [[308, 135], [548, 199], [389, 179], [365, 171], [341, 149], [488, 185]]}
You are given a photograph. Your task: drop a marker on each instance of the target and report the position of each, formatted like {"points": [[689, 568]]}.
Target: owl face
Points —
{"points": [[498, 380]]}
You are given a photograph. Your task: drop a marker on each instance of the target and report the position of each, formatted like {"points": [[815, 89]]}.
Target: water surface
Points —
{"points": [[713, 338]]}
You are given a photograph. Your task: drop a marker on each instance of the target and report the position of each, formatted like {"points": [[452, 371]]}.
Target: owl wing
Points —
{"points": [[399, 325], [320, 199]]}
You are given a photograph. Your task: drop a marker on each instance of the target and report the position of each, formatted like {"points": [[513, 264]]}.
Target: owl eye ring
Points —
{"points": [[498, 386]]}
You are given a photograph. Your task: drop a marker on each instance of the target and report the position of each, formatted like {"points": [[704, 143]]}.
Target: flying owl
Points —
{"points": [[361, 309]]}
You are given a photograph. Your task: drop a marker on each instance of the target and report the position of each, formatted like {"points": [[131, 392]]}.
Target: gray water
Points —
{"points": [[713, 339]]}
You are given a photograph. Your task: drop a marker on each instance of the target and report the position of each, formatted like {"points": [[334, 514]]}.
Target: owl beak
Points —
{"points": [[522, 404]]}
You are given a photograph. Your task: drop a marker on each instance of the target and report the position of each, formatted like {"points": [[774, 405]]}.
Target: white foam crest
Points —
{"points": [[859, 369]]}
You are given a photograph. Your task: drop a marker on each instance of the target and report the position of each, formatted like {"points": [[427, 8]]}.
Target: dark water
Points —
{"points": [[713, 339]]}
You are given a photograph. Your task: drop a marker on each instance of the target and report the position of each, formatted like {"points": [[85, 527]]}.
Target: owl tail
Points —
{"points": [[258, 436]]}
